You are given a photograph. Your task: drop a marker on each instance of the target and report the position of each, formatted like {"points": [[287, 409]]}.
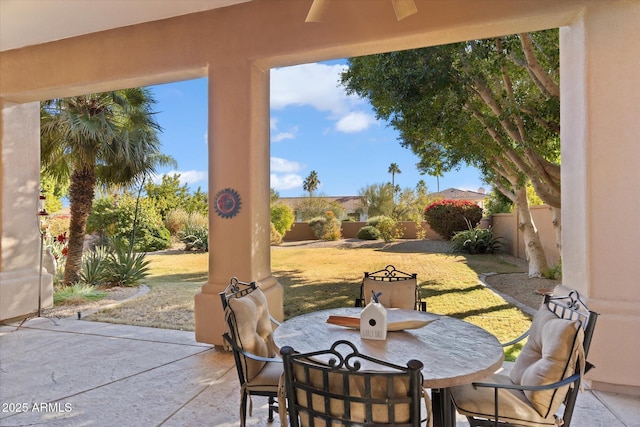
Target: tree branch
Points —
{"points": [[546, 84]]}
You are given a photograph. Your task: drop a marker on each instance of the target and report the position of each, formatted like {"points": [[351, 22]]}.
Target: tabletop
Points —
{"points": [[452, 351]]}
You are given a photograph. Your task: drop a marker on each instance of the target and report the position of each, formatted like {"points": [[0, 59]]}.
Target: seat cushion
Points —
{"points": [[252, 329], [396, 294], [267, 379], [514, 405], [548, 356]]}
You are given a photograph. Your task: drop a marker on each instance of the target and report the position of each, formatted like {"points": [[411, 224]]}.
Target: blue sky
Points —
{"points": [[314, 126]]}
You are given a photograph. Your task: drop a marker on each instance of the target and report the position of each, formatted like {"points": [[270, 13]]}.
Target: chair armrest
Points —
{"points": [[573, 378], [274, 321], [514, 341], [239, 349]]}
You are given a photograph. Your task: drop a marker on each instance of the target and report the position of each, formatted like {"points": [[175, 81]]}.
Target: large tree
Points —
{"points": [[105, 138], [490, 103]]}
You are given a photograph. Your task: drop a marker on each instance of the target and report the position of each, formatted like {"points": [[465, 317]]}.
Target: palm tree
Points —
{"points": [[106, 138], [393, 170], [311, 183]]}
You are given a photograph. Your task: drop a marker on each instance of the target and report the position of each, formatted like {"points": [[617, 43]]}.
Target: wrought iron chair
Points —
{"points": [[399, 289], [249, 334], [328, 388], [541, 382]]}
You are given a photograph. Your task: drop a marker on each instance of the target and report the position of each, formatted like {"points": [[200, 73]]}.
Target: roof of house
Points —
{"points": [[455, 194]]}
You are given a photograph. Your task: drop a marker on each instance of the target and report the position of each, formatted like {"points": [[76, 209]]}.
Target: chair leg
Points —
{"points": [[243, 409], [271, 407]]}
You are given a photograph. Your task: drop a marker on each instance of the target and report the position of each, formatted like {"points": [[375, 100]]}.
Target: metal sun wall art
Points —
{"points": [[227, 203]]}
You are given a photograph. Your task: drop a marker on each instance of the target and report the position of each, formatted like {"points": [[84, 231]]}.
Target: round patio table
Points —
{"points": [[452, 351]]}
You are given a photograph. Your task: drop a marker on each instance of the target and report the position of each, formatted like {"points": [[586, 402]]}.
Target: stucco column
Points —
{"points": [[600, 111], [238, 161], [20, 239]]}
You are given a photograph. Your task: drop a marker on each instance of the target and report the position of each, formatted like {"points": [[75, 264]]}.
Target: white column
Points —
{"points": [[600, 94], [239, 161], [20, 189]]}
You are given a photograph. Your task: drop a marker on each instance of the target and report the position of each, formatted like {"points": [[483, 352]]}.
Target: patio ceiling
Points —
{"points": [[25, 23]]}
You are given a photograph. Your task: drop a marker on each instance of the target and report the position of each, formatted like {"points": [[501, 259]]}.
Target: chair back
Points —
{"points": [[329, 388], [398, 289], [559, 341], [248, 326]]}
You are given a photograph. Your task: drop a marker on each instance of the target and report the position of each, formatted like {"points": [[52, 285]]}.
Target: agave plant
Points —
{"points": [[94, 266], [475, 240], [127, 268]]}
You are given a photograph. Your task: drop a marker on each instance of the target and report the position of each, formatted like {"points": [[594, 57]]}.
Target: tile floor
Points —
{"points": [[68, 372]]}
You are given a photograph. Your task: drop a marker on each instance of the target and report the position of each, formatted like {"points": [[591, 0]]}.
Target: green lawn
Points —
{"points": [[320, 278]]}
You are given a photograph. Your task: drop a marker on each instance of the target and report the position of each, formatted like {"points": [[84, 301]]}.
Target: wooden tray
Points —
{"points": [[397, 320]]}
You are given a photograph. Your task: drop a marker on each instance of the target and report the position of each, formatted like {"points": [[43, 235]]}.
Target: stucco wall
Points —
{"points": [[302, 231], [506, 226]]}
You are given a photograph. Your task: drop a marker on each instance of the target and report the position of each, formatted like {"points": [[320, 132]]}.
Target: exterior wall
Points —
{"points": [[600, 131], [20, 238], [506, 226], [302, 231]]}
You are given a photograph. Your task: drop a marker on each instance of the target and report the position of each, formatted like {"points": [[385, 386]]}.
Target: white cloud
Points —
{"points": [[314, 85], [282, 136], [186, 177], [286, 182], [283, 165], [317, 85], [355, 121]]}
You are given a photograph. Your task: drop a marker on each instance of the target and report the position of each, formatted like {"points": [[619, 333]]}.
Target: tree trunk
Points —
{"points": [[533, 246], [81, 192], [556, 219]]}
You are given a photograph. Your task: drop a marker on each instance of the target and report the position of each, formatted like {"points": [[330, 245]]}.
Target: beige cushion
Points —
{"points": [[267, 379], [252, 329], [547, 357], [397, 294], [514, 405], [336, 407]]}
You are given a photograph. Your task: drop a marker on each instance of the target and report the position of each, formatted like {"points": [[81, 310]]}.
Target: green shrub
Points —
{"points": [[387, 226], [326, 227], [333, 228], [554, 273], [275, 237], [447, 217], [282, 217], [475, 241], [369, 232], [113, 217]]}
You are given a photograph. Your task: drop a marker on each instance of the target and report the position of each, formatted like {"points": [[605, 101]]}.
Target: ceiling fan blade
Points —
{"points": [[317, 10], [404, 8]]}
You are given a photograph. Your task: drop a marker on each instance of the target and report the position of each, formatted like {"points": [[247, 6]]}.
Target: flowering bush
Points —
{"points": [[58, 246], [446, 217]]}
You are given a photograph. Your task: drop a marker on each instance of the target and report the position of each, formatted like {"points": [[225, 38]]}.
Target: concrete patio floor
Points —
{"points": [[68, 372]]}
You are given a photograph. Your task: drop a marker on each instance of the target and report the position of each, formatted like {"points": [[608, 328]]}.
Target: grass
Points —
{"points": [[77, 293], [320, 278]]}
